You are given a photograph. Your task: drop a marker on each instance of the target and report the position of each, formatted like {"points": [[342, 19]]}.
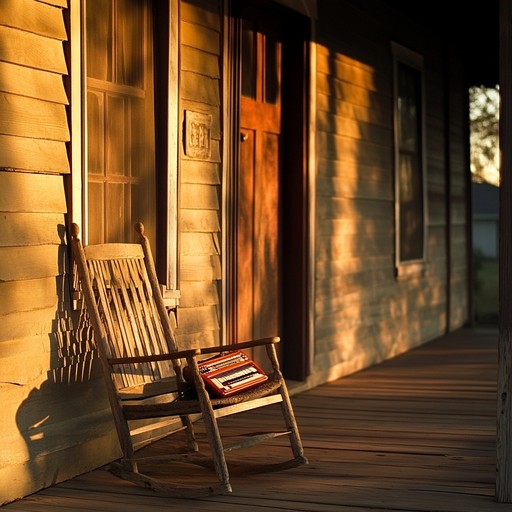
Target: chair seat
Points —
{"points": [[192, 406]]}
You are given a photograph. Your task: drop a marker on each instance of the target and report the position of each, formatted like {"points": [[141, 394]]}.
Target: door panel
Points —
{"points": [[270, 235], [258, 237]]}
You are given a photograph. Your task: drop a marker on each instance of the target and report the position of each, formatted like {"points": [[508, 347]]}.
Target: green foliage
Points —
{"points": [[484, 131]]}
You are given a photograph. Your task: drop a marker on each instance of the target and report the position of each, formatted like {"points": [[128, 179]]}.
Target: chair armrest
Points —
{"points": [[240, 346], [182, 354]]}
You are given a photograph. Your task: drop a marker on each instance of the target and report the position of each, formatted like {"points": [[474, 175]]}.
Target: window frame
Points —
{"points": [[167, 243], [405, 56]]}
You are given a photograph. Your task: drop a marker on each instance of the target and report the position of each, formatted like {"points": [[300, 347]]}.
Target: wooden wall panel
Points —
{"points": [[31, 50], [363, 313], [200, 216], [32, 118], [32, 155], [32, 83], [35, 17], [57, 3], [18, 229], [46, 363], [29, 294], [21, 192]]}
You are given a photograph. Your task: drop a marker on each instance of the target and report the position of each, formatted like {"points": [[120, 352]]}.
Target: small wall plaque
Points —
{"points": [[198, 134]]}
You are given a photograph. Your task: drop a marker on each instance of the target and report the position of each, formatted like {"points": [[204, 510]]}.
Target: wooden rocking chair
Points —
{"points": [[143, 368]]}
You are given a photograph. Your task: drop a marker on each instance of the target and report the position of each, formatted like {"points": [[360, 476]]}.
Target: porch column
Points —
{"points": [[504, 384]]}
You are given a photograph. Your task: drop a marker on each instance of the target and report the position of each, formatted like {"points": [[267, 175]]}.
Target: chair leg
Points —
{"points": [[287, 409], [189, 432], [212, 430], [219, 459], [291, 423]]}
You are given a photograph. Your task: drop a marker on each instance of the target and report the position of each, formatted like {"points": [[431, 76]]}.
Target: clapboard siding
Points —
{"points": [[32, 50], [35, 17], [199, 196], [18, 229], [32, 262], [207, 173], [200, 224], [31, 193], [57, 3], [33, 121], [351, 111], [55, 410], [32, 83], [30, 294], [197, 61], [33, 118], [361, 309], [32, 155]]}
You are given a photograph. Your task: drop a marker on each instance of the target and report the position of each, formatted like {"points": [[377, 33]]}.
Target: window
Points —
{"points": [[410, 198], [126, 107]]}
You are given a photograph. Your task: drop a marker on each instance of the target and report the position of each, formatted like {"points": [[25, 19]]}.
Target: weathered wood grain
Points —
{"points": [[23, 229], [200, 37], [32, 83], [200, 243], [28, 117], [36, 193], [34, 17], [200, 221], [31, 50], [204, 197], [34, 155], [202, 13], [30, 294], [198, 61], [200, 88], [207, 173], [32, 262], [200, 268], [195, 294], [58, 3]]}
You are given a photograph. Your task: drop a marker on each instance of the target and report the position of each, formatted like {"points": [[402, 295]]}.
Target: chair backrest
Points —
{"points": [[129, 318]]}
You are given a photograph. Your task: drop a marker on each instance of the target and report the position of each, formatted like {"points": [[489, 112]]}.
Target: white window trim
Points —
{"points": [[406, 56], [78, 206]]}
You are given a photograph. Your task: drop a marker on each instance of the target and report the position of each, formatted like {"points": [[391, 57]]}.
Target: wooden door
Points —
{"points": [[259, 184], [270, 281]]}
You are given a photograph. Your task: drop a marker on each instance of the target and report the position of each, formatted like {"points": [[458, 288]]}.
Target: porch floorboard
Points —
{"points": [[415, 433]]}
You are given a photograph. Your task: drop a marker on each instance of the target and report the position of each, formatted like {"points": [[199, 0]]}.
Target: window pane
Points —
{"points": [[99, 39], [411, 209], [95, 207], [115, 136], [120, 116], [95, 139], [130, 43], [248, 61], [409, 173], [117, 206], [272, 69], [409, 108]]}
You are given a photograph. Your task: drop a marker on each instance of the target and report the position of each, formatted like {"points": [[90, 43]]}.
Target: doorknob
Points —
{"points": [[243, 136]]}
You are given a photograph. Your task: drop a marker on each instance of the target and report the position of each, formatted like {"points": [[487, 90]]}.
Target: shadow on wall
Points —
{"points": [[56, 416]]}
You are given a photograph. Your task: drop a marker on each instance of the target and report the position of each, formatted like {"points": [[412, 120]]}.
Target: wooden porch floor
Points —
{"points": [[416, 433]]}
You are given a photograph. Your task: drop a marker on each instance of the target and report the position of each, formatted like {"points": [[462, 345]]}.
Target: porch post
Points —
{"points": [[504, 384]]}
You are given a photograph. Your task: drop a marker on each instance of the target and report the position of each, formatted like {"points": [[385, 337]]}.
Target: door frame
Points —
{"points": [[295, 199]]}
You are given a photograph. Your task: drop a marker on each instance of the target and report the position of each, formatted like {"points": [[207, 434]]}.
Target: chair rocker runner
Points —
{"points": [[143, 368]]}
